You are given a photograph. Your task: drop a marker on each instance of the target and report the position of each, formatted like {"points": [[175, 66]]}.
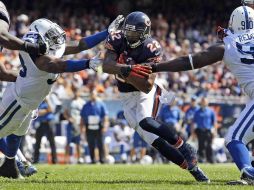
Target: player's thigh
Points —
{"points": [[147, 136], [25, 125], [242, 129], [145, 104], [11, 120]]}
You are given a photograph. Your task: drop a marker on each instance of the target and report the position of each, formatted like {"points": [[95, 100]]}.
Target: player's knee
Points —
{"points": [[148, 124]]}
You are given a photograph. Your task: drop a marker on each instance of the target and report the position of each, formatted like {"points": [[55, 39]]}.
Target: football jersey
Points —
{"points": [[239, 57], [32, 85], [4, 15], [149, 51]]}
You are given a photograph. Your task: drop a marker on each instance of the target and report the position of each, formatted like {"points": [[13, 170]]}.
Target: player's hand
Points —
{"points": [[221, 33], [95, 62], [35, 43], [43, 48], [115, 25], [152, 65], [141, 71]]}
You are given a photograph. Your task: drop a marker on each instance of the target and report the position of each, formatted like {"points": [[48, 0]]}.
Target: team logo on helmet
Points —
{"points": [[147, 20]]}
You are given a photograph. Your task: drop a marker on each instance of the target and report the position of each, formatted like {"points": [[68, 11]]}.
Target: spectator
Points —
{"points": [[189, 116], [139, 148], [94, 118], [72, 114], [171, 115], [204, 121], [43, 127]]}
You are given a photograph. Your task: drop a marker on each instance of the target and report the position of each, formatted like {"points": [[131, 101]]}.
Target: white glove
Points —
{"points": [[114, 26], [95, 62]]}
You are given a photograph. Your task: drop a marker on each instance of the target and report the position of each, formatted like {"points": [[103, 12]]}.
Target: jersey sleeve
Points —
{"points": [[4, 15], [154, 51], [114, 41]]}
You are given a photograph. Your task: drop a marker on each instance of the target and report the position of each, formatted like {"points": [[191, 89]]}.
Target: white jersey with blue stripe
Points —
{"points": [[239, 57], [32, 85]]}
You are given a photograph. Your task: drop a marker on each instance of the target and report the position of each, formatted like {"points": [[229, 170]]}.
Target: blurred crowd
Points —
{"points": [[182, 27]]}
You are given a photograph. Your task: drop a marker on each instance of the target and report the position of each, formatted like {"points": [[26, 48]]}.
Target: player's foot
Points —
{"points": [[199, 175], [9, 169], [25, 168], [190, 155], [248, 175]]}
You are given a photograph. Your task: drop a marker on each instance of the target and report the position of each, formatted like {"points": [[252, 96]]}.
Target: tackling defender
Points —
{"points": [[13, 43], [237, 53], [140, 95], [34, 82]]}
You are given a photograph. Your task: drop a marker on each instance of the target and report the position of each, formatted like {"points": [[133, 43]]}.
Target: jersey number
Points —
{"points": [[153, 46], [116, 35], [22, 71]]}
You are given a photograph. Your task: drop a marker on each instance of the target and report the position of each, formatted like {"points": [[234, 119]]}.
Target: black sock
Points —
{"points": [[171, 153]]}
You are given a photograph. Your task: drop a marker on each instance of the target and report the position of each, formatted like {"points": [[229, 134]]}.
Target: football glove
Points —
{"points": [[140, 71], [95, 62], [115, 25], [35, 43]]}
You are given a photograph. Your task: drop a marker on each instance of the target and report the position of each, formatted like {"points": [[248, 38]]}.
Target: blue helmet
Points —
{"points": [[136, 28]]}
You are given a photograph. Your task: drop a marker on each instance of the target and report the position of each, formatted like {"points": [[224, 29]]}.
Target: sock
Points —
{"points": [[13, 143], [3, 146], [239, 153], [171, 153]]}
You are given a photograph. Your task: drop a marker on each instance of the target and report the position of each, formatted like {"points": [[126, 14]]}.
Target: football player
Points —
{"points": [[140, 94], [237, 52], [249, 3], [32, 85], [13, 43]]}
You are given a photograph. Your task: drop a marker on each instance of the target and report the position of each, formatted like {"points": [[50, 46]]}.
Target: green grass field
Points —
{"points": [[152, 177]]}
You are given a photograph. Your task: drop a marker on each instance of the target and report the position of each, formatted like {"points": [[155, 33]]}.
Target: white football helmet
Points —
{"points": [[52, 34], [241, 20]]}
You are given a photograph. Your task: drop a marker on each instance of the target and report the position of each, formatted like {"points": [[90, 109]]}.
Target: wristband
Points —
{"points": [[95, 39], [75, 66], [191, 61]]}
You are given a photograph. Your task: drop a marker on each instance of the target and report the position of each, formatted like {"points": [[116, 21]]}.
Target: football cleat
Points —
{"points": [[26, 169], [248, 175], [9, 169], [199, 175], [237, 182]]}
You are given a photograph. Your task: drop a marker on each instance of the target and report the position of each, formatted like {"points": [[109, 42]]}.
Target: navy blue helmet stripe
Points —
{"points": [[10, 117], [240, 124], [8, 109], [246, 17]]}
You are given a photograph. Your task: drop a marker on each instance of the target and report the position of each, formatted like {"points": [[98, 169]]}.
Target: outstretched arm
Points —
{"points": [[93, 40], [54, 65], [11, 42], [209, 56]]}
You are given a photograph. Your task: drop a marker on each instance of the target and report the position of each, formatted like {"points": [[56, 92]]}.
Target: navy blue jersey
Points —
{"points": [[149, 51]]}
